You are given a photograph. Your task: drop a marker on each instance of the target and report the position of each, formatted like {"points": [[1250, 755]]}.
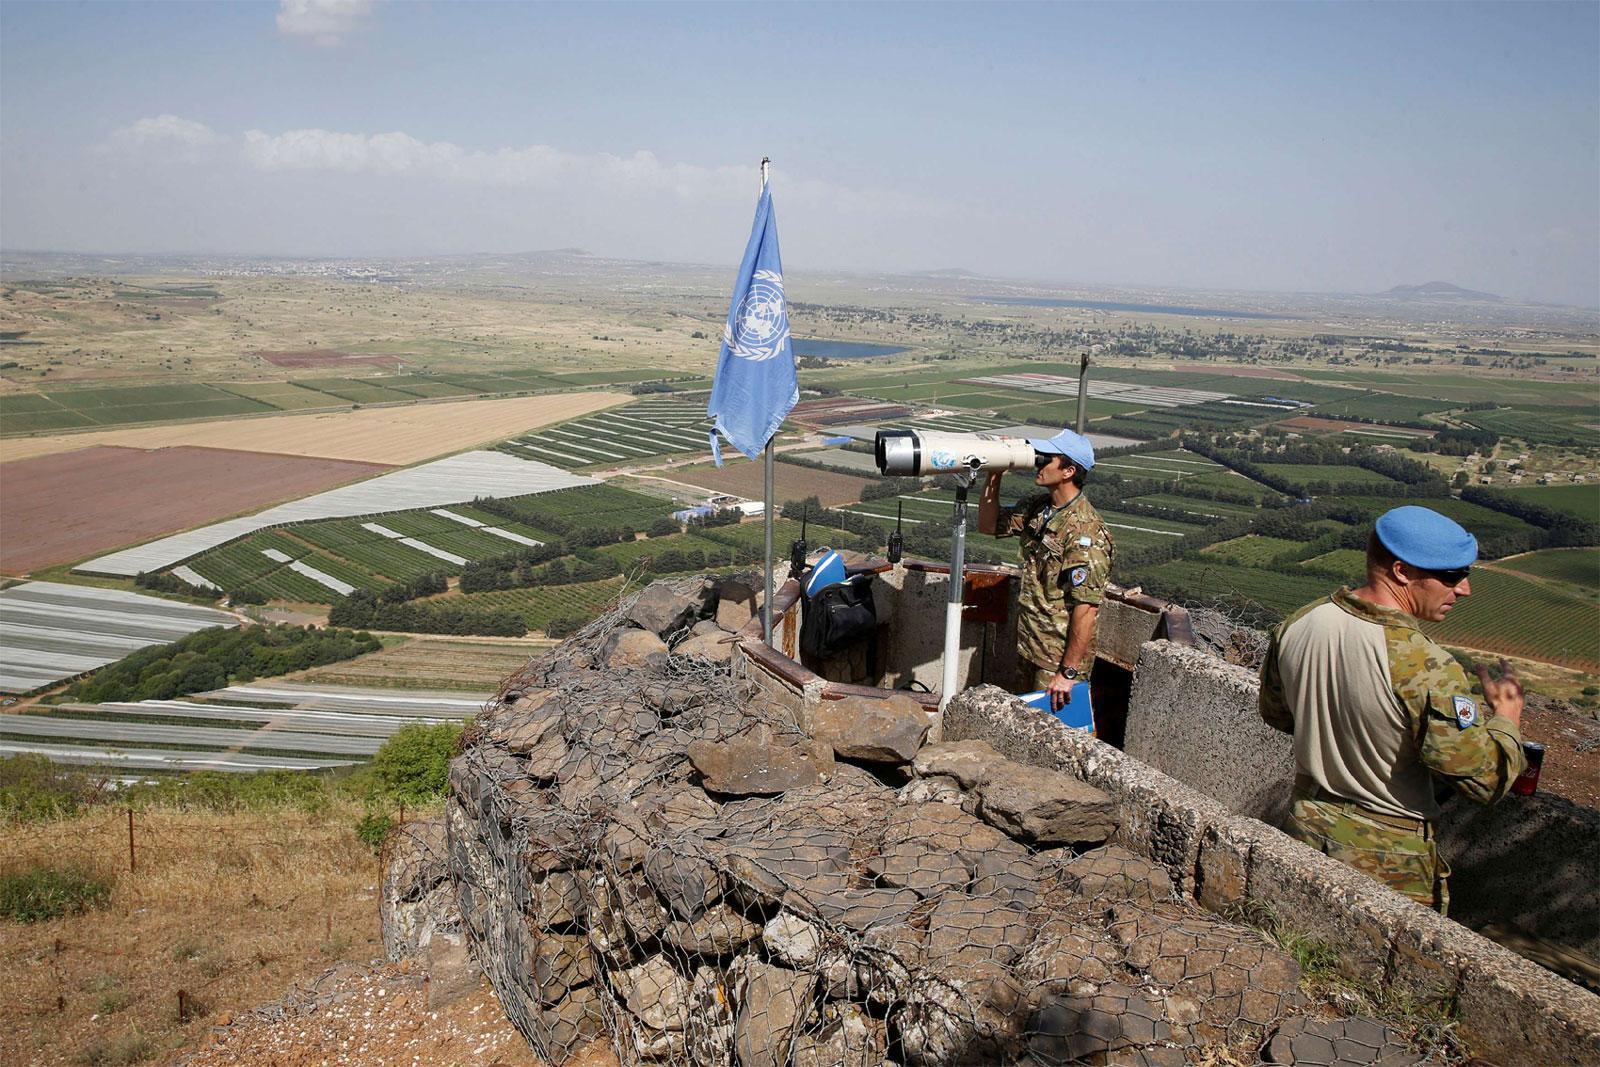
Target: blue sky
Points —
{"points": [[1284, 146]]}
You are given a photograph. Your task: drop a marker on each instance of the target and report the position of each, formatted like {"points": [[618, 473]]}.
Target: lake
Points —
{"points": [[843, 349], [1111, 305]]}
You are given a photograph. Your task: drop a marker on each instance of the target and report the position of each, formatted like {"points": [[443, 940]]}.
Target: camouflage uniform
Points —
{"points": [[1380, 715], [1066, 560]]}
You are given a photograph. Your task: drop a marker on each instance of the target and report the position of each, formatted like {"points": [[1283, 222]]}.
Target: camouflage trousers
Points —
{"points": [[1400, 853]]}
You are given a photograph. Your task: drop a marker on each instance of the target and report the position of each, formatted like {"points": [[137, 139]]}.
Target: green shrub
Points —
{"points": [[373, 827], [414, 764], [40, 893], [31, 787]]}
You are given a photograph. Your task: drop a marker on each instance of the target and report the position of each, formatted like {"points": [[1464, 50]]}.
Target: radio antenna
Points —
{"points": [[798, 549], [897, 541]]}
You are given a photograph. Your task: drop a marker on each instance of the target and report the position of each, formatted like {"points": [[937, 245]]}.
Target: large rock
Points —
{"points": [[774, 1004], [712, 647], [718, 932], [871, 730], [965, 930], [656, 994], [968, 762], [736, 603], [559, 963], [1045, 807], [578, 1019], [687, 882], [631, 648], [751, 766], [662, 609]]}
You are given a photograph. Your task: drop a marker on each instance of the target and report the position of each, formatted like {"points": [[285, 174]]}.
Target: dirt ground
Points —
{"points": [[67, 506], [378, 1015], [1569, 770], [399, 435], [743, 477], [233, 909]]}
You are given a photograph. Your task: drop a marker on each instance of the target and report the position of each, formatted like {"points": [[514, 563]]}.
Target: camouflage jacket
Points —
{"points": [[1379, 712], [1066, 560]]}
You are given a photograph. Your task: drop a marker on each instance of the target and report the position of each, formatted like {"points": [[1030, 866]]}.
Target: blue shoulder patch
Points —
{"points": [[1466, 711]]}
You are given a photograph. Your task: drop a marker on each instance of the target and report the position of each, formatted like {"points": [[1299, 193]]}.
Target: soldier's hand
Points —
{"points": [[1060, 690], [1504, 694]]}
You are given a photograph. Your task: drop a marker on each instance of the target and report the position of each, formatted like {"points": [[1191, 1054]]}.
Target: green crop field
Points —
{"points": [[1251, 549], [1200, 509], [590, 506], [1539, 425], [357, 390], [539, 605], [1350, 561], [1302, 474], [1381, 406], [285, 396], [1519, 616], [1578, 567], [1204, 582], [1480, 520], [1582, 501]]}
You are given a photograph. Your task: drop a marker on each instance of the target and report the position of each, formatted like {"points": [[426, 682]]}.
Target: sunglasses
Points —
{"points": [[1451, 578]]}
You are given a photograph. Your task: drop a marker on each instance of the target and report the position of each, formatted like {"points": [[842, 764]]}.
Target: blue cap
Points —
{"points": [[829, 570], [1426, 539], [1074, 446]]}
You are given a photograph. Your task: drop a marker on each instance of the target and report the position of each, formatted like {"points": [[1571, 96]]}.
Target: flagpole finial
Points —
{"points": [[765, 163]]}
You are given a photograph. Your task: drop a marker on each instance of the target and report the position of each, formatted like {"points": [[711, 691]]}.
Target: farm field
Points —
{"points": [[1349, 561], [1540, 425], [743, 477], [285, 396], [1384, 406], [50, 632], [447, 481], [539, 605], [1205, 582], [430, 663], [60, 508], [1302, 474], [395, 435], [1251, 549], [269, 725], [625, 436], [1576, 567], [1200, 508], [71, 408], [1519, 616], [1581, 501]]}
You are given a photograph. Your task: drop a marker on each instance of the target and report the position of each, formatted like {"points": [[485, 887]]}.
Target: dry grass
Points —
{"points": [[395, 435], [230, 908]]}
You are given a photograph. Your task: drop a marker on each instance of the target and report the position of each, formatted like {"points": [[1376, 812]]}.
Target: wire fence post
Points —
{"points": [[183, 1007], [131, 867]]}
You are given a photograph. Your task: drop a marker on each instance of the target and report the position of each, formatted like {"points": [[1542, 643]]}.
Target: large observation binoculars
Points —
{"points": [[921, 452]]}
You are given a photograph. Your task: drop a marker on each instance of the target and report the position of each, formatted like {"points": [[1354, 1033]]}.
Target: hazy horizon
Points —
{"points": [[1336, 149]]}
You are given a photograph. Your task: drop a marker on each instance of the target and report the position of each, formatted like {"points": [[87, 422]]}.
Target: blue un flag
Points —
{"points": [[755, 385]]}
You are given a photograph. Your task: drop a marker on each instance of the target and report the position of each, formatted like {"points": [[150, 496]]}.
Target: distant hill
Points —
{"points": [[947, 272], [1440, 291]]}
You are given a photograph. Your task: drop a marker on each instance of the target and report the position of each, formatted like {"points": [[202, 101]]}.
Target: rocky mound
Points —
{"points": [[641, 849]]}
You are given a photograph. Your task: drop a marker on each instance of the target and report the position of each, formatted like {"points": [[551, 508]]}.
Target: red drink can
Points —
{"points": [[1527, 782]]}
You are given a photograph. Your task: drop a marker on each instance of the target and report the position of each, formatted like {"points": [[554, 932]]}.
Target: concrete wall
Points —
{"points": [[1511, 1011], [1532, 862]]}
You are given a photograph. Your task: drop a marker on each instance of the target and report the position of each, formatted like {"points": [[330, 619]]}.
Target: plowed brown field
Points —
{"points": [[407, 433], [743, 477], [61, 508]]}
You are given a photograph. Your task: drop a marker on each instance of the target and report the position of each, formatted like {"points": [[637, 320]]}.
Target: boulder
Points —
{"points": [[559, 963], [573, 1022], [705, 626], [656, 994], [1112, 873], [717, 932], [966, 930], [1339, 1043], [871, 730], [661, 609], [685, 881], [1070, 1029], [712, 647], [968, 762], [751, 766], [736, 603], [1044, 807], [630, 648], [775, 1002]]}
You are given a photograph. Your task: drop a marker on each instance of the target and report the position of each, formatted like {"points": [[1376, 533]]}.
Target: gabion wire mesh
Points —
{"points": [[805, 911]]}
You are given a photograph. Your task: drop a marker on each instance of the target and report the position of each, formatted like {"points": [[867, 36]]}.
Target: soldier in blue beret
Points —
{"points": [[1066, 562], [1380, 714]]}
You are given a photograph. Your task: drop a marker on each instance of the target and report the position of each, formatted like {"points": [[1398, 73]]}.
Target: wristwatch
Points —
{"points": [[1069, 673]]}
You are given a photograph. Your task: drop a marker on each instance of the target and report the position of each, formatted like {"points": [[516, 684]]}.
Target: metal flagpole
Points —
{"points": [[952, 607], [766, 511], [1083, 393]]}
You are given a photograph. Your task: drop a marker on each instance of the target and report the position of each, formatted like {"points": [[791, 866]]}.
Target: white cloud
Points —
{"points": [[324, 21], [165, 130]]}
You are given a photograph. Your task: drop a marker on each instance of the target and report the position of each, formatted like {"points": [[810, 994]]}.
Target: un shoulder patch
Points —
{"points": [[1466, 711], [1079, 575]]}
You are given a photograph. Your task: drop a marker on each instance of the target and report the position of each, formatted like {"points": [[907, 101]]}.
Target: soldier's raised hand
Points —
{"points": [[1504, 695]]}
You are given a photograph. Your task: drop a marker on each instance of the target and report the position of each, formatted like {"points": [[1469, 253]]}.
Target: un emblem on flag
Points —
{"points": [[761, 325]]}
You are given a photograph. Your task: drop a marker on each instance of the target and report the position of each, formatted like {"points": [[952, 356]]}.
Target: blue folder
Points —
{"points": [[1076, 713]]}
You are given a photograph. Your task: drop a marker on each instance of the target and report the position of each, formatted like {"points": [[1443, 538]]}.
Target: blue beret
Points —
{"points": [[1426, 539], [1074, 446]]}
